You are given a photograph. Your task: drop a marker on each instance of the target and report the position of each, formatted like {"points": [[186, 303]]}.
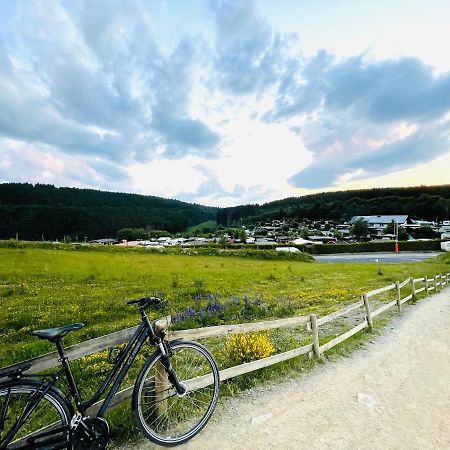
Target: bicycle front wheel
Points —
{"points": [[164, 416], [46, 427]]}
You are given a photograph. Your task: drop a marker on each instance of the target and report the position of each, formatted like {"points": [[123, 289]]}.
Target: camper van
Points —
{"points": [[445, 244]]}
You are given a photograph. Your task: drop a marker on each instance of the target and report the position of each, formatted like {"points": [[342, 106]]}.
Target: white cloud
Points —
{"points": [[212, 105], [166, 177]]}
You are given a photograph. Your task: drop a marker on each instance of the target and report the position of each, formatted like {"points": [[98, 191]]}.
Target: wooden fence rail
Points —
{"points": [[312, 323]]}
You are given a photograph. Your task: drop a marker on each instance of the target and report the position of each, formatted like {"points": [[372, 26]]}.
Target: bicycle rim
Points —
{"points": [[166, 417], [48, 415]]}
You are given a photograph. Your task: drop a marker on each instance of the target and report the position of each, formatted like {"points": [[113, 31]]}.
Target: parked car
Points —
{"points": [[287, 249]]}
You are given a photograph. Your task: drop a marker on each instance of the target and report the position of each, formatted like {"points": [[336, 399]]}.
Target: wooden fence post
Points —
{"points": [[413, 288], [426, 285], [315, 335], [161, 383], [436, 282], [368, 312], [398, 296]]}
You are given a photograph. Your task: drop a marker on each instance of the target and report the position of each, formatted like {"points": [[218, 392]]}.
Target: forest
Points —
{"points": [[42, 211], [421, 202]]}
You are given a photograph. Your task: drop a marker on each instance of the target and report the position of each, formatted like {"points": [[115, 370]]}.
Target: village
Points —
{"points": [[306, 232]]}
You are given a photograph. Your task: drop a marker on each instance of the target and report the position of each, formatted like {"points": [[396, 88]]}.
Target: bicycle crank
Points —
{"points": [[91, 434]]}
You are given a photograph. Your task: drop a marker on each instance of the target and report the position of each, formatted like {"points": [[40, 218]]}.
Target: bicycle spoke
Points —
{"points": [[175, 418], [5, 405], [22, 419]]}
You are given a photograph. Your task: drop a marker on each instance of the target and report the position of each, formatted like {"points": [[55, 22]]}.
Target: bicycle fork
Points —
{"points": [[165, 360]]}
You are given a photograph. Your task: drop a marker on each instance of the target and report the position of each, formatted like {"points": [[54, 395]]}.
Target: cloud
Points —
{"points": [[109, 171], [422, 146], [180, 134], [186, 136], [301, 87], [249, 55], [380, 91], [363, 117], [98, 90], [96, 66], [212, 192], [389, 90], [418, 148], [25, 115], [30, 163]]}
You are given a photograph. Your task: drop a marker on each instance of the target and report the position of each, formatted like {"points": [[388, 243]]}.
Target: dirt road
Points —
{"points": [[394, 394]]}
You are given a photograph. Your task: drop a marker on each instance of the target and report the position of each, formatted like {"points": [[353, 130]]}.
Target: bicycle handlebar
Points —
{"points": [[146, 301]]}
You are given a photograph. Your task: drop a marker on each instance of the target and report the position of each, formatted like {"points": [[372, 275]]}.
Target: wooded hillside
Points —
{"points": [[44, 210], [422, 202]]}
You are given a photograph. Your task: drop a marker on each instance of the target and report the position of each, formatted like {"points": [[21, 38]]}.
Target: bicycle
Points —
{"points": [[173, 397]]}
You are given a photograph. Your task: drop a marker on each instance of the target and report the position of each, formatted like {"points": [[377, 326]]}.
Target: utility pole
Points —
{"points": [[396, 236]]}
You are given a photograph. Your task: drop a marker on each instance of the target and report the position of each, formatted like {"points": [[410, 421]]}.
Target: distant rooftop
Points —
{"points": [[400, 219]]}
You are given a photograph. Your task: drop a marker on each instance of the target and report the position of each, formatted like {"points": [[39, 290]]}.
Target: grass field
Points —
{"points": [[41, 288]]}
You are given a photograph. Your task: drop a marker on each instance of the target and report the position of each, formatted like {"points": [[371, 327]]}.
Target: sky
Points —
{"points": [[225, 102]]}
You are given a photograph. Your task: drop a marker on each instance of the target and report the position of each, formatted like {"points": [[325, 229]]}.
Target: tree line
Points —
{"points": [[43, 211], [424, 202]]}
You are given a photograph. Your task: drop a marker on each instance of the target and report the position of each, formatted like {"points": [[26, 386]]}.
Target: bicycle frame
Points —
{"points": [[117, 373]]}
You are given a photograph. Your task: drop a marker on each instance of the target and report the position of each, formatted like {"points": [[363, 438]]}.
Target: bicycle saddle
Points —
{"points": [[53, 334]]}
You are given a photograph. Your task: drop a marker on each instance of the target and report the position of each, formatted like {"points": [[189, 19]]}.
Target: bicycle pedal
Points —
{"points": [[76, 419]]}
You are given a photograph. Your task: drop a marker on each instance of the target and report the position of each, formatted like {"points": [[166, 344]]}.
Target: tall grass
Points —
{"points": [[42, 288], [46, 287]]}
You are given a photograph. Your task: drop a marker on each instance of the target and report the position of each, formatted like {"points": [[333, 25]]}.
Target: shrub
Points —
{"points": [[243, 348], [377, 246]]}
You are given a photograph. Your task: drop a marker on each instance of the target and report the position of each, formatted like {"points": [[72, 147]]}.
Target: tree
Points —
{"points": [[125, 233], [336, 233], [426, 232], [304, 232], [360, 228], [390, 229]]}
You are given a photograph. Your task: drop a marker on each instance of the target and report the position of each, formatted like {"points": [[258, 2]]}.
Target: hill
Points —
{"points": [[425, 202], [39, 210]]}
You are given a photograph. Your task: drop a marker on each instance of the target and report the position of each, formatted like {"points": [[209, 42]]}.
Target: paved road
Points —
{"points": [[383, 257], [393, 394]]}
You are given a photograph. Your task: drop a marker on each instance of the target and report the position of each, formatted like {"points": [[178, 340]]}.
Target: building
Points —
{"points": [[377, 224]]}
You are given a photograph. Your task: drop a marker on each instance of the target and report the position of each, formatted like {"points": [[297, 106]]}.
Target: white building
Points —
{"points": [[377, 224]]}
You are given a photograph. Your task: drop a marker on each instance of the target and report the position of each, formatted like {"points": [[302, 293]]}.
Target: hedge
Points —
{"points": [[250, 250], [375, 246]]}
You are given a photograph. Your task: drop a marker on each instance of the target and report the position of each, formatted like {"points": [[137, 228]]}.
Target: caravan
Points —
{"points": [[445, 244]]}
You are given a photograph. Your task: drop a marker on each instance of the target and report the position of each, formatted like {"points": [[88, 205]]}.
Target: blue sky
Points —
{"points": [[225, 102]]}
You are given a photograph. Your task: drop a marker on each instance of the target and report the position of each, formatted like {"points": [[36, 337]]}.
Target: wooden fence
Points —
{"points": [[311, 322]]}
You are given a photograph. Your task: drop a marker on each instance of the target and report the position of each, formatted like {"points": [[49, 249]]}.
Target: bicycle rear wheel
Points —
{"points": [[166, 417], [39, 430]]}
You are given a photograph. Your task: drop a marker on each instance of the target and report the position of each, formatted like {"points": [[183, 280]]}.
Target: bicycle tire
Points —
{"points": [[165, 417], [53, 410]]}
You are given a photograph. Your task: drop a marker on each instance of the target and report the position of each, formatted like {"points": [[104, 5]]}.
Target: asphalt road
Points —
{"points": [[384, 257]]}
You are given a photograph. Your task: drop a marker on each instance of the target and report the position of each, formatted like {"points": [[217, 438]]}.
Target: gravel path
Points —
{"points": [[394, 394]]}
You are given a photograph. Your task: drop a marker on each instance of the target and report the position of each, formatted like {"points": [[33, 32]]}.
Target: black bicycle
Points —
{"points": [[173, 397]]}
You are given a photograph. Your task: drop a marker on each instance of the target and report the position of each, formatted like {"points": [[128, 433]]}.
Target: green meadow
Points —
{"points": [[47, 287], [41, 288]]}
